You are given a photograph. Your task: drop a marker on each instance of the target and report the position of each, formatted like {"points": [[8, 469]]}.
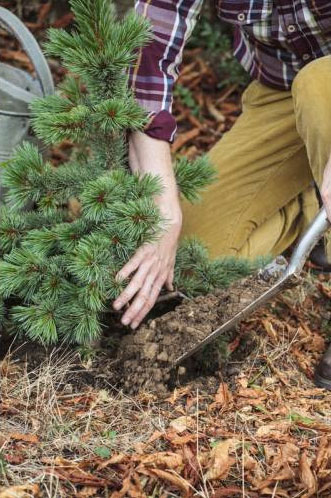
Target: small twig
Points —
{"points": [[243, 466], [274, 490], [171, 295], [227, 93]]}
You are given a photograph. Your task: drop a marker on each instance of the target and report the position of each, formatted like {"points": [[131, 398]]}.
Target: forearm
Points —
{"points": [[150, 155]]}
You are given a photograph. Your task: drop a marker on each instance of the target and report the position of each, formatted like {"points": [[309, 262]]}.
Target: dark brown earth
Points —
{"points": [[147, 355]]}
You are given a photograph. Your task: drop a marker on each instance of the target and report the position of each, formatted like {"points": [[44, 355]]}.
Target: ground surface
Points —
{"points": [[244, 421]]}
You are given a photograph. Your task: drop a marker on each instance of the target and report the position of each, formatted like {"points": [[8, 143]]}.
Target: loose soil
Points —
{"points": [[143, 360], [148, 354]]}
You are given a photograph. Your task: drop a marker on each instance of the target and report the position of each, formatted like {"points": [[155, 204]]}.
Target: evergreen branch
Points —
{"points": [[119, 114], [99, 195], [133, 32], [94, 18], [138, 220], [71, 125], [146, 185], [122, 247], [24, 176], [194, 176], [196, 273], [37, 321], [101, 50], [93, 296], [110, 151], [78, 324], [21, 272], [51, 103], [55, 286], [12, 229], [14, 226], [70, 234], [92, 260], [34, 219], [41, 241], [71, 88], [69, 179]]}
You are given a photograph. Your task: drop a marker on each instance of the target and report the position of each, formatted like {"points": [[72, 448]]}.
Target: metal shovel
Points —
{"points": [[289, 277]]}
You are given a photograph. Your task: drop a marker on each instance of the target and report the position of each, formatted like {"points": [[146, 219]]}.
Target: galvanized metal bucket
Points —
{"points": [[18, 88]]}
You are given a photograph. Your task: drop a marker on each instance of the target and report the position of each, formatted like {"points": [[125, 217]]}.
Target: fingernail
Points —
{"points": [[125, 320], [134, 325], [117, 305]]}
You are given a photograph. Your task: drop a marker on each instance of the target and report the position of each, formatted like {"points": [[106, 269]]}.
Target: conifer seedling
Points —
{"points": [[58, 269]]}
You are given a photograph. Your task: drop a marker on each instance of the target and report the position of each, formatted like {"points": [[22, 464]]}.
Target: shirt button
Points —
{"points": [[241, 16], [291, 28], [305, 57]]}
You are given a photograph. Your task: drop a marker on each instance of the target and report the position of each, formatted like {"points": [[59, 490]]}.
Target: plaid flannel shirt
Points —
{"points": [[273, 40]]}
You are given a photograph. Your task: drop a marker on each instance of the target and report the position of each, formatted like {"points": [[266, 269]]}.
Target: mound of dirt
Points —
{"points": [[147, 355]]}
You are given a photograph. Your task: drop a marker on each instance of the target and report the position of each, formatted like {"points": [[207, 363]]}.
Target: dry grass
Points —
{"points": [[66, 422], [265, 432]]}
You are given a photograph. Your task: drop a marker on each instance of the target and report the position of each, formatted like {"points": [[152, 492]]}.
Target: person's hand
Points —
{"points": [[152, 266], [326, 189]]}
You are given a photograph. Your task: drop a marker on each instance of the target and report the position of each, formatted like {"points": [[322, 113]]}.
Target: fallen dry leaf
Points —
{"points": [[181, 424], [271, 491], [28, 438], [323, 453], [317, 343], [289, 452], [249, 462], [275, 430], [306, 475], [115, 459], [161, 459], [173, 479], [44, 10], [24, 491], [219, 460], [324, 290], [223, 396], [251, 393], [131, 487], [271, 331], [180, 440], [87, 491]]}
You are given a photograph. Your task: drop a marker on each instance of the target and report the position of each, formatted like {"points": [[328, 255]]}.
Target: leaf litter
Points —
{"points": [[256, 427]]}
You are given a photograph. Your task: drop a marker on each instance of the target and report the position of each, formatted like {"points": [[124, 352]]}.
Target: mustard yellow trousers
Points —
{"points": [[267, 166]]}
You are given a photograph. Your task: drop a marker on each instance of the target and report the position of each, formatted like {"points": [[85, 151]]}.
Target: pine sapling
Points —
{"points": [[58, 268]]}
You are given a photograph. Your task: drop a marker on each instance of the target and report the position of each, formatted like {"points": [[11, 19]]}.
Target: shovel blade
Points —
{"points": [[288, 280]]}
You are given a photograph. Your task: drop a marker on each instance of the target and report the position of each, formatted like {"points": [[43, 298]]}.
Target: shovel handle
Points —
{"points": [[307, 242]]}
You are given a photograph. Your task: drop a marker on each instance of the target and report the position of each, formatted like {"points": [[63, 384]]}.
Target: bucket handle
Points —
{"points": [[15, 26]]}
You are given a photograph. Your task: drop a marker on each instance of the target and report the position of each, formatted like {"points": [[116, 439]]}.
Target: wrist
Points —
{"points": [[170, 207], [149, 155]]}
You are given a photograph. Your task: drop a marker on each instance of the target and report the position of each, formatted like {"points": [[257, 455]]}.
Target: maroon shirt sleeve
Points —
{"points": [[153, 77]]}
